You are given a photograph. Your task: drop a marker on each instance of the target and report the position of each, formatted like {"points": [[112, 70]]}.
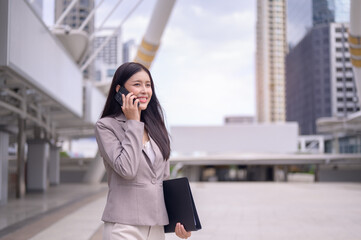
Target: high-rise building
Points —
{"points": [[77, 15], [320, 80], [129, 51], [299, 20], [327, 11], [303, 14], [270, 60], [109, 58]]}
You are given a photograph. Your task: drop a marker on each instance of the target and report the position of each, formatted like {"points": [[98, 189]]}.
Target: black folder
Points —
{"points": [[180, 205]]}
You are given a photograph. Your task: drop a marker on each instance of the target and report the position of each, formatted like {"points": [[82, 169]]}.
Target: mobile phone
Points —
{"points": [[118, 95]]}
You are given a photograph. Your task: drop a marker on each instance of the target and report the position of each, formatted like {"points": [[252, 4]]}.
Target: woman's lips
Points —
{"points": [[142, 99]]}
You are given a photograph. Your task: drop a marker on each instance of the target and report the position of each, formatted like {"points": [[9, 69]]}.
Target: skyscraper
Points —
{"points": [[320, 80], [299, 20], [303, 14], [327, 11], [270, 60], [77, 15], [109, 58]]}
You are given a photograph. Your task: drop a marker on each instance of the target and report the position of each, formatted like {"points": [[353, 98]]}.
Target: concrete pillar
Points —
{"points": [[4, 162], [335, 145], [321, 145], [20, 164], [37, 167], [54, 165], [302, 143], [96, 170]]}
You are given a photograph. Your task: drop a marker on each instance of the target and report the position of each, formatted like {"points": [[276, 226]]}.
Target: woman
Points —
{"points": [[135, 147]]}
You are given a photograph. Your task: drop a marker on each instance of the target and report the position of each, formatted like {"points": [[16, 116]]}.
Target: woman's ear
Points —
{"points": [[117, 88]]}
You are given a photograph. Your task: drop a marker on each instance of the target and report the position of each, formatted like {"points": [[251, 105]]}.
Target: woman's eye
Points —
{"points": [[137, 84]]}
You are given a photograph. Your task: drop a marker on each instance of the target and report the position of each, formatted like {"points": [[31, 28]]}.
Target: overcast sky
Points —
{"points": [[205, 67]]}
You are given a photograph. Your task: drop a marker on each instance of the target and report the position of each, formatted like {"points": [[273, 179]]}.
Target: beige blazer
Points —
{"points": [[135, 194]]}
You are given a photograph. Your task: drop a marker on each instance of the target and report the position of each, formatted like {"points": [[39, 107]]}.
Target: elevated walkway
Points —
{"points": [[43, 99]]}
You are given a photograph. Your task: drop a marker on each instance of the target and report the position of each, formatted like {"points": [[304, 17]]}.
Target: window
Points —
{"points": [[110, 72]]}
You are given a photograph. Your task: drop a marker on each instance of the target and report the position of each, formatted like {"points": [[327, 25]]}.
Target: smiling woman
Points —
{"points": [[135, 147]]}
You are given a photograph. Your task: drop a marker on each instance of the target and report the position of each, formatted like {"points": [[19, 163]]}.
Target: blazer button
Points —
{"points": [[154, 180]]}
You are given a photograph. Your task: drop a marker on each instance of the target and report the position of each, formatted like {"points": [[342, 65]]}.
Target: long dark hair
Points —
{"points": [[152, 116]]}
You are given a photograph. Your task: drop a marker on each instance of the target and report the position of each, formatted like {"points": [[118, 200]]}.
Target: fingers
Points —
{"points": [[181, 232], [129, 101]]}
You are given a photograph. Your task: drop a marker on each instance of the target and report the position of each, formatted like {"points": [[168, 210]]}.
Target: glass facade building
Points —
{"points": [[326, 11], [302, 15]]}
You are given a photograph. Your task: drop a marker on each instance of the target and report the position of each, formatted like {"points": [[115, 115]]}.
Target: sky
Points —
{"points": [[204, 69]]}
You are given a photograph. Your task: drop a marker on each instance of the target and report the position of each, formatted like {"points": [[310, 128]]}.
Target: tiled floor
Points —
{"points": [[36, 206], [240, 210]]}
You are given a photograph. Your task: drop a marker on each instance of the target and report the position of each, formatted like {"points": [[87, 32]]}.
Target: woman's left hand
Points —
{"points": [[181, 232]]}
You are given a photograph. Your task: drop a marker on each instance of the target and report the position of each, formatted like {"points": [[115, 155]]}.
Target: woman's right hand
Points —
{"points": [[130, 107]]}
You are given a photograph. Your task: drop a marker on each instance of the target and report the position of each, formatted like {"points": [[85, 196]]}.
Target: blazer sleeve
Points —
{"points": [[121, 154]]}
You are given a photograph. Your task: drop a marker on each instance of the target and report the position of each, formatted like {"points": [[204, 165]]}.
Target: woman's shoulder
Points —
{"points": [[112, 120]]}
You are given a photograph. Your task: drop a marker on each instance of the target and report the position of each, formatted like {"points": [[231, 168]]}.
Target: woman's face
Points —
{"points": [[140, 85]]}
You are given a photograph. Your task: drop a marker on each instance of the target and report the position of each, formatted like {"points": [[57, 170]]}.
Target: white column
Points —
{"points": [[54, 166], [4, 162], [96, 170], [37, 167]]}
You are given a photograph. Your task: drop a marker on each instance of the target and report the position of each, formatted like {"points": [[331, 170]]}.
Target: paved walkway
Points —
{"points": [[229, 211]]}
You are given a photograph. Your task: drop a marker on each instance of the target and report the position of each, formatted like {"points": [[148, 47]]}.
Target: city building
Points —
{"points": [[239, 119], [327, 11], [270, 60], [77, 15], [108, 59], [299, 20], [303, 15], [129, 50], [319, 76]]}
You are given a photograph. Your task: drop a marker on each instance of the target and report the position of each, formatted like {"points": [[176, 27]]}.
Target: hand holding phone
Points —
{"points": [[118, 95], [129, 111]]}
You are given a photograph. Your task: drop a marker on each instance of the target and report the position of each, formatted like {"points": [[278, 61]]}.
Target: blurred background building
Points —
{"points": [[319, 76], [270, 60], [320, 80], [77, 15]]}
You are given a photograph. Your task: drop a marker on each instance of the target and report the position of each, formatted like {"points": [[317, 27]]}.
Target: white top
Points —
{"points": [[149, 150]]}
